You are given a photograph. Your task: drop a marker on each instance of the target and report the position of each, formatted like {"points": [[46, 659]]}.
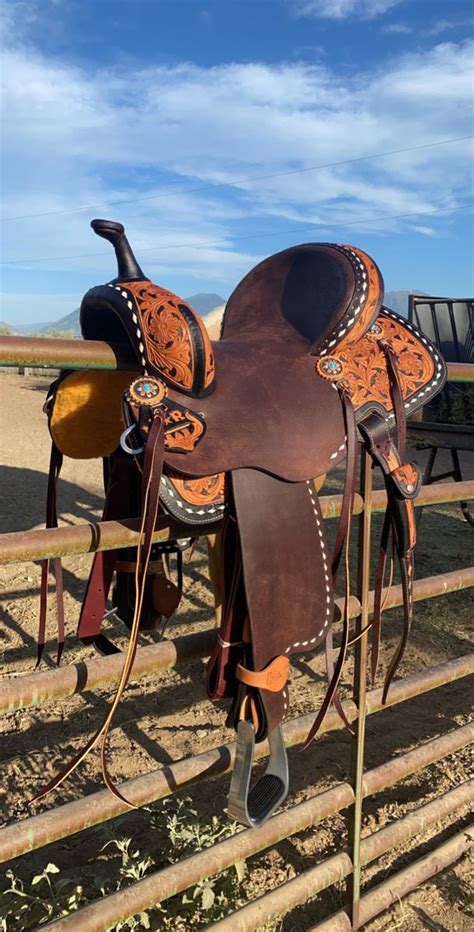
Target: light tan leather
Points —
{"points": [[272, 678]]}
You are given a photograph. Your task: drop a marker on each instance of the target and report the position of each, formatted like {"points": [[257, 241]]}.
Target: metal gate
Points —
{"points": [[52, 685]]}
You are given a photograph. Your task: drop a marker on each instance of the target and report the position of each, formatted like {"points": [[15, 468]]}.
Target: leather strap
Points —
{"points": [[343, 537], [55, 463], [273, 677], [229, 649], [402, 482], [150, 495]]}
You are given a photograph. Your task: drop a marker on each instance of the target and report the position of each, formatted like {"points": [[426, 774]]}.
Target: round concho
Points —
{"points": [[375, 332], [330, 367], [146, 392]]}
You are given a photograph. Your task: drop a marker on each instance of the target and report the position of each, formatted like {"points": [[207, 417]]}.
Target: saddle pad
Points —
{"points": [[86, 420]]}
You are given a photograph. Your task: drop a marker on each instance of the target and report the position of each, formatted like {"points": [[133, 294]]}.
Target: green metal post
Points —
{"points": [[360, 686]]}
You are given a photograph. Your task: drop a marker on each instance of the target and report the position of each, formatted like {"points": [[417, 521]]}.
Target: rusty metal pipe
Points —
{"points": [[97, 354], [178, 877], [38, 688], [46, 543], [308, 884], [39, 353], [60, 682], [20, 546], [66, 820], [460, 372], [400, 884], [412, 761]]}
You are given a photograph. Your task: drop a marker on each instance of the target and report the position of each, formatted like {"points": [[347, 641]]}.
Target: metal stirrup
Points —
{"points": [[253, 806]]}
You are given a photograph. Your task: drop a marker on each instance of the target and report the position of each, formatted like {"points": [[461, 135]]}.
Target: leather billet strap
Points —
{"points": [[402, 480]]}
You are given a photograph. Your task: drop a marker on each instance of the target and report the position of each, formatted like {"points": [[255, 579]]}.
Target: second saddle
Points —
{"points": [[232, 434]]}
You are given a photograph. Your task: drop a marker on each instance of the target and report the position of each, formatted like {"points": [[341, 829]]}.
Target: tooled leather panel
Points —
{"points": [[365, 365], [176, 342], [208, 490]]}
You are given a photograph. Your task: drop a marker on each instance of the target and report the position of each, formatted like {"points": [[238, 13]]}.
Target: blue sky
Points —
{"points": [[210, 128]]}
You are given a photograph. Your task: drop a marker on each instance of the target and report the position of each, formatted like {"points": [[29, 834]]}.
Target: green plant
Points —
{"points": [[28, 903], [47, 899]]}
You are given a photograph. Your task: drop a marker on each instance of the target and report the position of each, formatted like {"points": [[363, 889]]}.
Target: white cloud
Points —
{"points": [[74, 138], [397, 29], [340, 9]]}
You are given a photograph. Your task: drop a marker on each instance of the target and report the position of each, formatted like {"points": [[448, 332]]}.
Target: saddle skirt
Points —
{"points": [[236, 431]]}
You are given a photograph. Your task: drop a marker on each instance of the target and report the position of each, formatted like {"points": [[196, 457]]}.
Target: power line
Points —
{"points": [[215, 242], [233, 184]]}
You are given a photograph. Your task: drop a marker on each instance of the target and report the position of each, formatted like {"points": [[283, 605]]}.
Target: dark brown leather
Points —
{"points": [[287, 577], [305, 354]]}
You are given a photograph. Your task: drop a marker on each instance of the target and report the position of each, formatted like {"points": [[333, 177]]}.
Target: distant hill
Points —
{"points": [[202, 303], [398, 300], [23, 329]]}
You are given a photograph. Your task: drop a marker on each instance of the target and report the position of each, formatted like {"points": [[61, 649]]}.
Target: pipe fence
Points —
{"points": [[63, 821]]}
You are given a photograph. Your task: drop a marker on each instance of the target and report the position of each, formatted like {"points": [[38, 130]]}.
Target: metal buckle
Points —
{"points": [[254, 806]]}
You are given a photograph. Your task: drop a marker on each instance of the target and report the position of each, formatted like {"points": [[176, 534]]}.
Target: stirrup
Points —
{"points": [[253, 806]]}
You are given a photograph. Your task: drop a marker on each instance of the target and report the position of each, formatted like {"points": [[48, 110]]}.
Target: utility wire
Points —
{"points": [[233, 184], [215, 242]]}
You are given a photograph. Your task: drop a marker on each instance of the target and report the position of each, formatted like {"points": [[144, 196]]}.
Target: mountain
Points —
{"points": [[202, 303], [23, 329], [398, 300]]}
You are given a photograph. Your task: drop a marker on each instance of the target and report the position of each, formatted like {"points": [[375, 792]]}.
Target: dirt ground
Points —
{"points": [[166, 718]]}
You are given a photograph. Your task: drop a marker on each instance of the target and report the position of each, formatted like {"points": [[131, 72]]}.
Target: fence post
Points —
{"points": [[360, 686]]}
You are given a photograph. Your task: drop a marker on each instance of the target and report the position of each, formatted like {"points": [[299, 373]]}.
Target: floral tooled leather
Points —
{"points": [[208, 490], [365, 367], [172, 349]]}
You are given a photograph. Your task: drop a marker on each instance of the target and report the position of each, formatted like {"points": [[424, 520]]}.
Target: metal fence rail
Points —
{"points": [[53, 685]]}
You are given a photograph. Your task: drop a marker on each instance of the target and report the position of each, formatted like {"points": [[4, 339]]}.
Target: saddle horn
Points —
{"points": [[128, 267]]}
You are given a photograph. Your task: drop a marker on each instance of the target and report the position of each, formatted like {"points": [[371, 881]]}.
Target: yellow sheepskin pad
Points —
{"points": [[87, 419]]}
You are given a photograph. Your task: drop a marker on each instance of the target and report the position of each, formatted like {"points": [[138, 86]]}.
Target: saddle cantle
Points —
{"points": [[309, 363]]}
